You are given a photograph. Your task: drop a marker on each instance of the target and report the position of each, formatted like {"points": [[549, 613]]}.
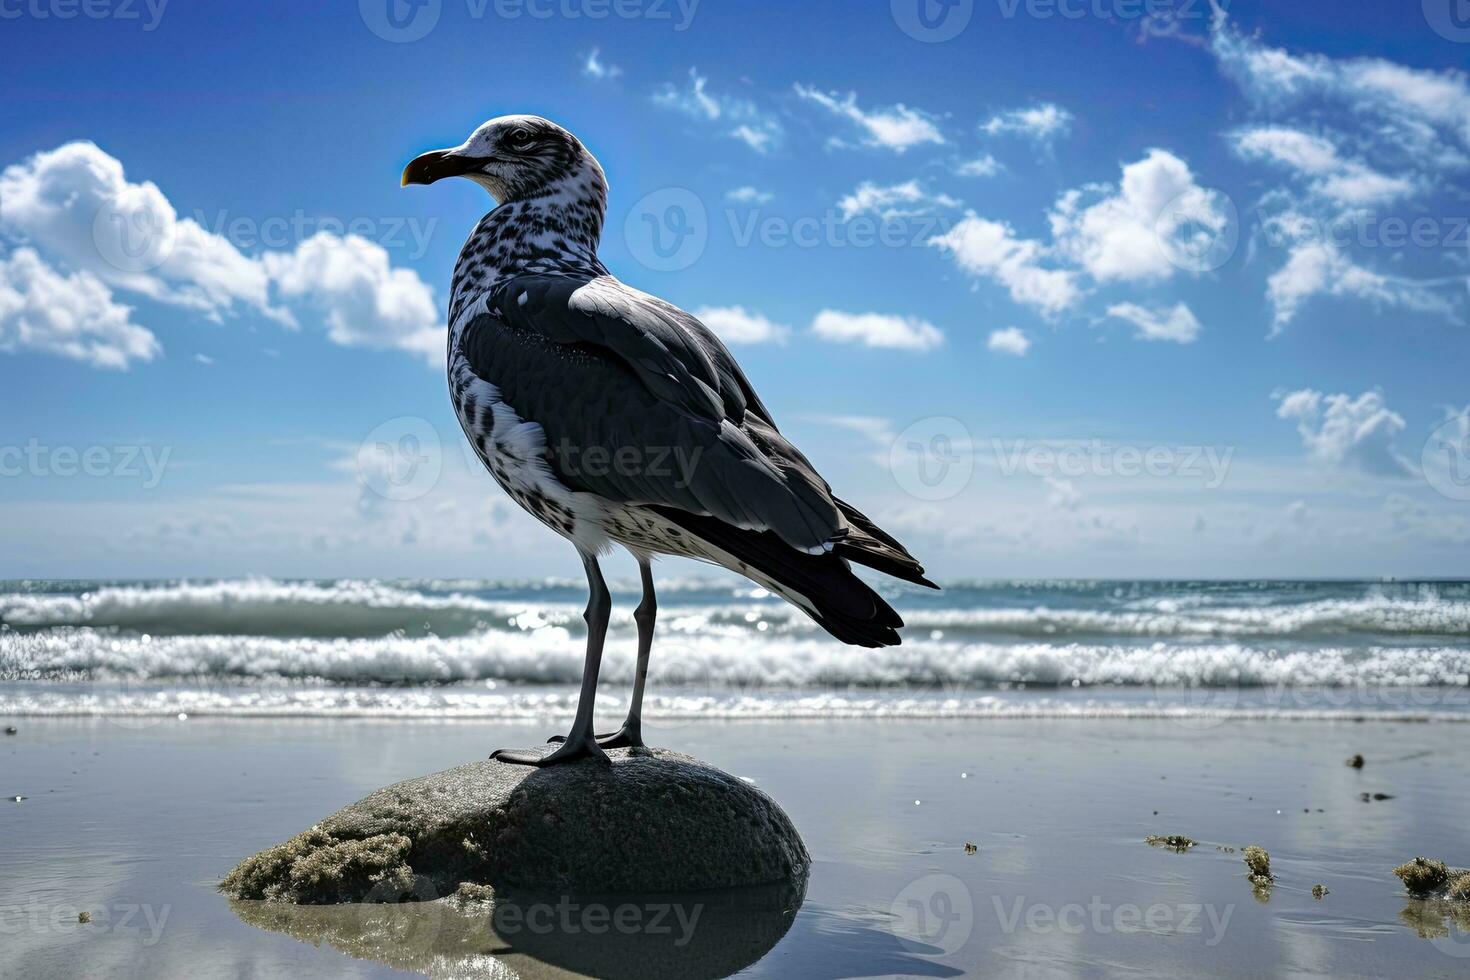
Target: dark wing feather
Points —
{"points": [[634, 408]]}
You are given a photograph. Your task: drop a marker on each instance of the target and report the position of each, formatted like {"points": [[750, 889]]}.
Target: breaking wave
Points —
{"points": [[447, 649], [267, 607], [552, 655]]}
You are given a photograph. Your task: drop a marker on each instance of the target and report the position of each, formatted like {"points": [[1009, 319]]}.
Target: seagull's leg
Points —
{"points": [[631, 734], [580, 741]]}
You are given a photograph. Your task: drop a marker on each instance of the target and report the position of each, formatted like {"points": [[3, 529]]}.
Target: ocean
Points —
{"points": [[1198, 651]]}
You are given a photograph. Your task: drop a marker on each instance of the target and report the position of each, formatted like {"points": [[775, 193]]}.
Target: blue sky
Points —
{"points": [[1050, 288]]}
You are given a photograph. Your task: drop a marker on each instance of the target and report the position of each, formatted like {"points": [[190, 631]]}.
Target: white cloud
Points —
{"points": [[982, 166], [595, 68], [1318, 268], [76, 203], [744, 119], [1403, 132], [877, 330], [367, 302], [1129, 232], [72, 316], [1439, 100], [894, 201], [1011, 340], [1178, 324], [759, 136], [737, 325], [896, 128], [692, 101], [1042, 122], [1342, 181], [1062, 494], [1340, 430], [748, 195], [77, 207], [991, 249]]}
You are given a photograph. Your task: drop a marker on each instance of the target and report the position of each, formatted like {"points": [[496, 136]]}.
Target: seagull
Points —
{"points": [[616, 418]]}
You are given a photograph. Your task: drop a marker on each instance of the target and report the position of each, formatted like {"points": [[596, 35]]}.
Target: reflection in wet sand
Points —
{"points": [[690, 935]]}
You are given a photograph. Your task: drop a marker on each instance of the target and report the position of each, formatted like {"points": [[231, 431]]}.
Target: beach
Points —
{"points": [[135, 825], [1066, 730]]}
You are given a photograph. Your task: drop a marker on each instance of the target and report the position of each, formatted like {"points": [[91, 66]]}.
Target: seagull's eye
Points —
{"points": [[520, 138]]}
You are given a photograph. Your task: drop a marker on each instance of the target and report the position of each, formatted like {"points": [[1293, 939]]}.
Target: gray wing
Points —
{"points": [[639, 407]]}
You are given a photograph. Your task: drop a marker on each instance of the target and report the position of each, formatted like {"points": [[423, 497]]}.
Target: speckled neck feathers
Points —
{"points": [[554, 228]]}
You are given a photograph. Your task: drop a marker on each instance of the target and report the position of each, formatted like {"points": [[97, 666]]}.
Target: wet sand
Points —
{"points": [[134, 823]]}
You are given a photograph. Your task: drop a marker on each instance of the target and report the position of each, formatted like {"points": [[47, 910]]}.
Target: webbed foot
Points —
{"points": [[627, 737], [570, 751]]}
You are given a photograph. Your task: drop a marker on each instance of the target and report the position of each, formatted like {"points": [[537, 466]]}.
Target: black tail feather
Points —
{"points": [[845, 606], [870, 545]]}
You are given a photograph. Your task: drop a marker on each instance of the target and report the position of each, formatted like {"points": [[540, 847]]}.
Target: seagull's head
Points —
{"points": [[515, 157]]}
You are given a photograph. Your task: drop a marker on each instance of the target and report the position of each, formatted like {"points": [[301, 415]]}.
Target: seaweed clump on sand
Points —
{"points": [[1428, 878], [1423, 876], [1259, 863], [1174, 842]]}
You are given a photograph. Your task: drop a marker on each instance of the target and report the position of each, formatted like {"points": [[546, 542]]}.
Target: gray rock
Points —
{"points": [[653, 821]]}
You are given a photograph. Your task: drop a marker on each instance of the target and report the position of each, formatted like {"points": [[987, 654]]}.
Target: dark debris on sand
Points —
{"points": [[1174, 842]]}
